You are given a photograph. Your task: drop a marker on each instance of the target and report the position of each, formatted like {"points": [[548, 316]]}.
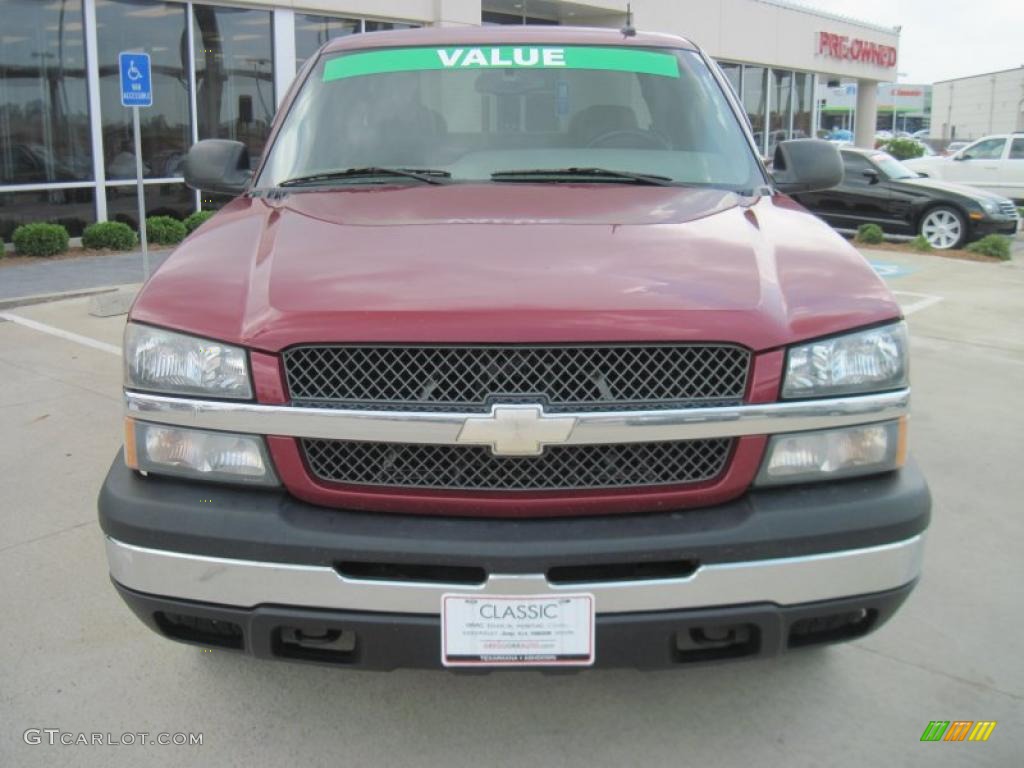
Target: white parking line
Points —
{"points": [[924, 300], [67, 335]]}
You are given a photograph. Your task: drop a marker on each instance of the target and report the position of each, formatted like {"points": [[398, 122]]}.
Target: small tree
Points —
{"points": [[904, 149]]}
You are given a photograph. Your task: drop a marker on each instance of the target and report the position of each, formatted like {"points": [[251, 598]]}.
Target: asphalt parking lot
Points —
{"points": [[73, 658]]}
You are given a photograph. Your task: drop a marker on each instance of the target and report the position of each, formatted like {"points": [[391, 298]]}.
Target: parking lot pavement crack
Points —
{"points": [[45, 536], [938, 672]]}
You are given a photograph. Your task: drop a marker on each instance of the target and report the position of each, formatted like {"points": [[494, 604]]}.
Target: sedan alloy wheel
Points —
{"points": [[943, 228]]}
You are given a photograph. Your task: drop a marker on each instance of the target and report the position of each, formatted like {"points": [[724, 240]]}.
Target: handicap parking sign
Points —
{"points": [[136, 83]]}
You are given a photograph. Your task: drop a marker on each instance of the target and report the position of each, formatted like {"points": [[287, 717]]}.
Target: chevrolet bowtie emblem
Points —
{"points": [[516, 430]]}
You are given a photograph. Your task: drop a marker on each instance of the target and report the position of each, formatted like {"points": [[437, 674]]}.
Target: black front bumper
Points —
{"points": [[271, 526], [990, 226], [655, 640], [176, 516]]}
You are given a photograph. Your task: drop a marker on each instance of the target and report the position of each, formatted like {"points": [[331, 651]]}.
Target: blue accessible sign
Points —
{"points": [[136, 82]]}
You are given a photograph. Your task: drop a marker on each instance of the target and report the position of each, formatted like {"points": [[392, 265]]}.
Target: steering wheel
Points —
{"points": [[652, 140]]}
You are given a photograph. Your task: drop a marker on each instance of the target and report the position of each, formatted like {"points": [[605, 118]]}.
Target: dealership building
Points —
{"points": [[221, 68], [978, 105]]}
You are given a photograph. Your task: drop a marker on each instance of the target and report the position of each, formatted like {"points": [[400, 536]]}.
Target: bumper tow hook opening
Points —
{"points": [[323, 644], [708, 643]]}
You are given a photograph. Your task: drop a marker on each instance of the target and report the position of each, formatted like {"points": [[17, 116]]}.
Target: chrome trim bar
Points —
{"points": [[591, 427], [247, 583]]}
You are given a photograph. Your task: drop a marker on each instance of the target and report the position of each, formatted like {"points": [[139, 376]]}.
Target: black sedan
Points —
{"points": [[878, 189]]}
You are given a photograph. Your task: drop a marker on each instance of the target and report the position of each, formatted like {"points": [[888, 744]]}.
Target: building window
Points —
{"points": [[234, 75], [44, 106], [754, 95], [175, 200], [381, 26], [782, 108], [734, 74], [74, 208], [158, 29], [803, 105], [496, 18], [313, 31]]}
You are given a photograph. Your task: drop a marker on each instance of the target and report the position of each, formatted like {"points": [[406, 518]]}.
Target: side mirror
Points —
{"points": [[960, 156], [871, 174], [218, 165], [806, 165]]}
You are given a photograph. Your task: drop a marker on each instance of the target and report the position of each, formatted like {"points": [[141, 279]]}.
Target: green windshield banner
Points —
{"points": [[502, 57]]}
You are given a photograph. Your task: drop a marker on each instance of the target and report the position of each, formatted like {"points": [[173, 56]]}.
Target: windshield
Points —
{"points": [[892, 167], [474, 112]]}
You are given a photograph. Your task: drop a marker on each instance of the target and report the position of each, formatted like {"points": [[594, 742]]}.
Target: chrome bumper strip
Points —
{"points": [[590, 427], [784, 581]]}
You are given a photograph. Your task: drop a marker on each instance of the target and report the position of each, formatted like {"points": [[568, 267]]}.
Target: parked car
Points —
{"points": [[994, 163], [953, 147], [878, 189], [440, 389]]}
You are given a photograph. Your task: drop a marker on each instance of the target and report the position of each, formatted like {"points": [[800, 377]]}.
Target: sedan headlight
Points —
{"points": [[156, 360], [874, 360], [990, 206]]}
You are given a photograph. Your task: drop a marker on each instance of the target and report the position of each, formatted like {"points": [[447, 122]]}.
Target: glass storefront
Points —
{"points": [[779, 102], [44, 103], [234, 69], [73, 207], [175, 200], [158, 28], [313, 31]]}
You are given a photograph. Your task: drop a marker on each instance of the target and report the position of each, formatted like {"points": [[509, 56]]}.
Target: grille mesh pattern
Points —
{"points": [[588, 377], [566, 467]]}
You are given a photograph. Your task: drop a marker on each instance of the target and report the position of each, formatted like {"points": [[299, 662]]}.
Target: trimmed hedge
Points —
{"points": [[40, 239], [164, 230], [997, 246], [869, 234], [193, 221], [114, 235], [920, 243]]}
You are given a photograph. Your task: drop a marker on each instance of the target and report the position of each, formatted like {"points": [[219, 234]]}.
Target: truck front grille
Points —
{"points": [[469, 378], [566, 467]]}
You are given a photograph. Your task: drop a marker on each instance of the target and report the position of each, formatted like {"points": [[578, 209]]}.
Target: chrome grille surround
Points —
{"points": [[559, 377]]}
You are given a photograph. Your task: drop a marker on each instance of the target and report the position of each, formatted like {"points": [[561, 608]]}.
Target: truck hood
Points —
{"points": [[513, 263]]}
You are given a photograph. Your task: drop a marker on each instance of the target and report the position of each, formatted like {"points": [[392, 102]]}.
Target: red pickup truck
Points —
{"points": [[510, 351]]}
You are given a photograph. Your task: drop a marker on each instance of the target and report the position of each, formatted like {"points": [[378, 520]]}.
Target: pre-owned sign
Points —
{"points": [[855, 49]]}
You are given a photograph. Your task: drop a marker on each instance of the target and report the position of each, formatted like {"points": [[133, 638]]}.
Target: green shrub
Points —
{"points": [[903, 149], [164, 230], [920, 243], [869, 234], [1020, 212], [997, 246], [114, 235], [192, 222], [40, 239]]}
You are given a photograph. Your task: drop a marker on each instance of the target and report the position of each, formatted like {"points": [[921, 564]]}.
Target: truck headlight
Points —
{"points": [[874, 360], [804, 457], [197, 453], [162, 361]]}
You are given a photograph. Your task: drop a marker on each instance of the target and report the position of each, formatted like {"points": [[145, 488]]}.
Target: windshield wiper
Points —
{"points": [[427, 175], [593, 174]]}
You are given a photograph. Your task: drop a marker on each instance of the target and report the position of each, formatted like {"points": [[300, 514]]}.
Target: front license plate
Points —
{"points": [[509, 631]]}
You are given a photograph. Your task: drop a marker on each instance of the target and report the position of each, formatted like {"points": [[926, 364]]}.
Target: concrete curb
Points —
{"points": [[44, 298]]}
